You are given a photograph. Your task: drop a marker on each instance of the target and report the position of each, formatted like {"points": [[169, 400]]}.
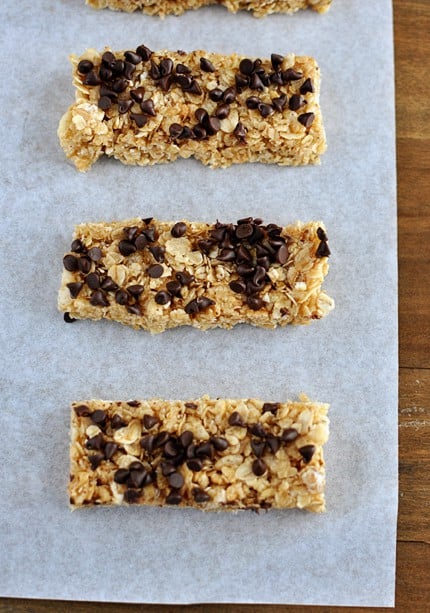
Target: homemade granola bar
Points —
{"points": [[142, 107], [211, 454], [177, 7], [157, 275]]}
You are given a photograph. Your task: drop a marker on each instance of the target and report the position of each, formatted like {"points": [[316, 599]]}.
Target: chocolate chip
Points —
{"points": [[236, 419], [265, 109], [139, 119], [198, 304], [176, 480], [117, 67], [149, 421], [229, 95], [124, 106], [137, 94], [200, 496], [147, 107], [199, 132], [216, 94], [306, 119], [70, 263], [205, 450], [240, 132], [264, 262], [98, 417], [289, 435], [98, 298], [219, 443], [195, 464], [241, 82], [165, 82], [182, 69], [132, 57], [77, 246], [167, 468], [155, 271], [238, 286], [131, 496], [120, 85], [133, 403], [270, 407], [244, 230], [150, 233], [158, 252], [253, 102], [174, 288], [135, 290], [95, 459], [291, 75], [93, 280], [166, 67], [179, 229], [162, 297], [307, 452], [307, 87], [109, 285], [227, 255], [137, 475], [82, 410], [147, 442], [256, 82], [184, 81], [108, 58], [222, 111], [121, 297], [255, 303], [213, 125], [171, 449], [85, 66], [323, 250], [175, 130], [75, 288], [186, 438], [190, 452], [161, 439], [68, 318], [276, 60], [282, 254], [206, 65], [274, 443], [194, 88], [173, 498], [117, 422], [201, 115], [246, 66], [154, 71], [95, 254], [184, 277], [144, 52], [321, 234], [280, 103], [245, 269], [121, 475], [276, 78], [105, 74], [258, 430], [134, 309], [110, 449], [91, 79], [258, 447], [95, 442], [259, 467], [141, 242], [296, 102]]}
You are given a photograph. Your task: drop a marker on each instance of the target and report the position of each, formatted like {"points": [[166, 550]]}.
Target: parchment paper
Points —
{"points": [[345, 557]]}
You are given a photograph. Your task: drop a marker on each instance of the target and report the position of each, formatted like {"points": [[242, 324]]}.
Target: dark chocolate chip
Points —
{"points": [[70, 263], [200, 496], [91, 79], [131, 495], [174, 288], [124, 106], [199, 132], [175, 130], [264, 262], [162, 297], [133, 403], [265, 109], [95, 442], [98, 298], [85, 66], [255, 303], [258, 430], [256, 82], [186, 438], [119, 85], [201, 115], [98, 417], [161, 439], [171, 449], [186, 133], [306, 119], [184, 277], [166, 66], [206, 65], [259, 467], [236, 419], [132, 57], [117, 67], [141, 242], [137, 477], [270, 407], [323, 250], [167, 468], [121, 475], [258, 447], [274, 443], [176, 480], [144, 52], [149, 421], [108, 58], [227, 255], [276, 78], [296, 102], [240, 132], [307, 452], [165, 82], [135, 290], [253, 102], [194, 88], [216, 94], [82, 410], [229, 95], [68, 318], [75, 288], [245, 269], [241, 82], [222, 111], [246, 66], [77, 246], [105, 73], [147, 107], [139, 119], [195, 464], [154, 71], [121, 297], [134, 309], [291, 75], [93, 280], [219, 443], [184, 81], [244, 230], [321, 234], [282, 254], [173, 498], [150, 233], [95, 459], [190, 452], [307, 87], [182, 69], [109, 285], [205, 450], [179, 229], [117, 422], [147, 442], [238, 286], [158, 252], [126, 248], [155, 271], [110, 449], [276, 60], [137, 94], [280, 103], [289, 435]]}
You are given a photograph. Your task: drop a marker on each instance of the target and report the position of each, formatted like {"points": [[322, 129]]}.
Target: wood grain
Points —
{"points": [[412, 58]]}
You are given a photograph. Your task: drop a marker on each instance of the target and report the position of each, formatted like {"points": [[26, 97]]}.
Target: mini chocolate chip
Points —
{"points": [[289, 435], [147, 107], [105, 74], [77, 246], [173, 498], [200, 496], [236, 419], [166, 66], [176, 480], [274, 443], [219, 443], [158, 252], [91, 79], [137, 477], [167, 468], [241, 82], [190, 452], [155, 271], [132, 57], [198, 304], [186, 438], [165, 82], [139, 119], [276, 78], [291, 75], [96, 442], [256, 82], [98, 298], [109, 285], [149, 421], [246, 66], [82, 410], [162, 297], [240, 132], [307, 452], [107, 58], [95, 254], [186, 133], [131, 495], [270, 407], [195, 464], [252, 102], [323, 250], [282, 254], [137, 94], [133, 403], [124, 106], [174, 288], [182, 69], [222, 111], [85, 66], [154, 71], [255, 303], [239, 286], [264, 262], [306, 119], [147, 442], [70, 263], [134, 309], [184, 277], [171, 449], [95, 459], [68, 318], [144, 52], [117, 422], [280, 103], [227, 255], [179, 229], [245, 270], [98, 417], [150, 233], [199, 132], [276, 60], [321, 234], [296, 102], [117, 67], [194, 88], [119, 85], [258, 447], [244, 230], [110, 449], [259, 467], [205, 450], [135, 290], [307, 87], [229, 95], [126, 248], [206, 65], [141, 242], [201, 115], [216, 94], [184, 81], [75, 288], [258, 430], [121, 297], [161, 439], [175, 130], [93, 280], [265, 109], [121, 475]]}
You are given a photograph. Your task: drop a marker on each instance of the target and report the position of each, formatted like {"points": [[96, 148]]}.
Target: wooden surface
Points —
{"points": [[412, 56]]}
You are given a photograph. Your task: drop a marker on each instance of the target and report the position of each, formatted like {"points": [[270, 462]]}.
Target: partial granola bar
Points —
{"points": [[177, 7], [157, 275], [146, 108], [211, 454]]}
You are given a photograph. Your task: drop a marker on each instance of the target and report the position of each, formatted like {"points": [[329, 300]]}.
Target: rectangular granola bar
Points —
{"points": [[211, 454], [177, 7], [157, 275], [146, 108]]}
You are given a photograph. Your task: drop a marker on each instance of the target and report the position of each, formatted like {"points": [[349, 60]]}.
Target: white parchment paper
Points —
{"points": [[349, 359]]}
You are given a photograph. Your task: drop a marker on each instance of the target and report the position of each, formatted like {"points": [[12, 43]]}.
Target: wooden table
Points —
{"points": [[412, 55]]}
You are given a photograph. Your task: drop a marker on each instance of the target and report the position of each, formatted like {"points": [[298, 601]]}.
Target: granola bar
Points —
{"points": [[146, 108], [177, 7], [157, 275], [211, 454]]}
